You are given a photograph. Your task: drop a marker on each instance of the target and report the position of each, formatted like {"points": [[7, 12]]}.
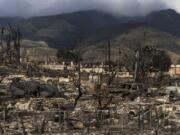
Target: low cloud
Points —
{"points": [[27, 8]]}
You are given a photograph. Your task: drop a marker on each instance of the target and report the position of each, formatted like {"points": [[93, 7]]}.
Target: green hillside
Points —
{"points": [[60, 30], [130, 41]]}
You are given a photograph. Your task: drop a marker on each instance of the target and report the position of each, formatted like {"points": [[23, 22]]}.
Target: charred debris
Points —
{"points": [[109, 98]]}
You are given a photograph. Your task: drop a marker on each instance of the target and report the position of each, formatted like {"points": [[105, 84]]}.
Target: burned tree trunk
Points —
{"points": [[10, 54], [2, 36], [17, 38], [79, 81]]}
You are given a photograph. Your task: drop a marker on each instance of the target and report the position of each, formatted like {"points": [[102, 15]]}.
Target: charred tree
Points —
{"points": [[10, 53], [16, 36], [78, 83]]}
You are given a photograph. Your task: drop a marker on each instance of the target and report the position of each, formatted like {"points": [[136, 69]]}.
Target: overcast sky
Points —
{"points": [[27, 8]]}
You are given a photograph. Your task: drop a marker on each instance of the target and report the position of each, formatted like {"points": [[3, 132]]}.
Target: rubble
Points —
{"points": [[43, 103]]}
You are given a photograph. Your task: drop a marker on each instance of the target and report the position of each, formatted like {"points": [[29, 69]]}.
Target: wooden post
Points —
{"points": [[99, 119], [142, 121], [5, 120], [5, 113], [150, 117], [122, 117], [157, 116], [139, 117], [22, 126], [19, 123], [61, 117], [89, 122], [35, 122], [64, 123]]}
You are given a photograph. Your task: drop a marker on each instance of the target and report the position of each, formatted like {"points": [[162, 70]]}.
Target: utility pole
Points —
{"points": [[136, 73], [138, 58], [18, 45], [8, 51], [119, 59], [109, 55], [109, 50], [119, 63], [79, 71]]}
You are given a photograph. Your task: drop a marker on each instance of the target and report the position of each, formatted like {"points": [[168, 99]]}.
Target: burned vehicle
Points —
{"points": [[131, 90], [32, 88]]}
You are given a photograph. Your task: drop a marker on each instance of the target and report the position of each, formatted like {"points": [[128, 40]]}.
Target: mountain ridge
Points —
{"points": [[94, 27]]}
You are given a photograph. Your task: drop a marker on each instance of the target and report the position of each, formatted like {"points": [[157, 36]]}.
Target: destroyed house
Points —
{"points": [[175, 70]]}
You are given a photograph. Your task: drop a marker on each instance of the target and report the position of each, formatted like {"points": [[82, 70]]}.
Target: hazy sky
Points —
{"points": [[117, 7]]}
